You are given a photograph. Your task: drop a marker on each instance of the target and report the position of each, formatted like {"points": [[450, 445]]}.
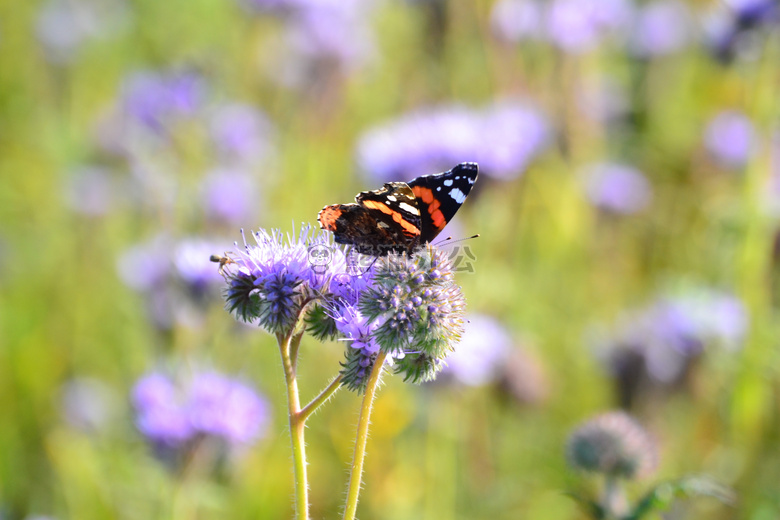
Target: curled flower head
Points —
{"points": [[613, 444], [420, 305], [272, 281]]}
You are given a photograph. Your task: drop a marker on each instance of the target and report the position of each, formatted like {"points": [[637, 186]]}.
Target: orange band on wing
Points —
{"points": [[426, 195], [397, 217]]}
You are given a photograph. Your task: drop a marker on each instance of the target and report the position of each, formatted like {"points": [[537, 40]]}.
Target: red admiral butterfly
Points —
{"points": [[400, 216]]}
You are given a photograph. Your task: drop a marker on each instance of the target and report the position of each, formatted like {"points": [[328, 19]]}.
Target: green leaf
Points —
{"points": [[664, 494]]}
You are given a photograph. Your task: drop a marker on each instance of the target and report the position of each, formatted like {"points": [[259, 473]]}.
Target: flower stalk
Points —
{"points": [[287, 345], [356, 473]]}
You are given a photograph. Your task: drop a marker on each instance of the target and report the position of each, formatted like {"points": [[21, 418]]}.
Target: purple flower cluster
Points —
{"points": [[155, 100], [675, 328], [617, 188], [321, 30], [574, 26], [613, 444], [406, 306], [482, 352], [65, 26], [729, 138], [208, 404], [655, 28], [502, 138], [272, 281], [153, 109], [174, 280], [662, 27], [731, 30]]}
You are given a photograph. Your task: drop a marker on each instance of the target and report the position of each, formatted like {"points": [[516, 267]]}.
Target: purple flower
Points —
{"points": [[662, 27], [145, 266], [154, 99], [517, 20], [87, 404], [617, 188], [577, 26], [191, 259], [613, 444], [230, 195], [331, 30], [733, 30], [161, 417], [677, 327], [602, 98], [225, 408], [729, 138], [64, 26], [92, 190], [503, 139], [210, 404], [241, 132], [271, 281], [482, 352]]}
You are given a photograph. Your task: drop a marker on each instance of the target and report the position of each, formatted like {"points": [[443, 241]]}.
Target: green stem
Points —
{"points": [[356, 472], [288, 344], [318, 401], [613, 499]]}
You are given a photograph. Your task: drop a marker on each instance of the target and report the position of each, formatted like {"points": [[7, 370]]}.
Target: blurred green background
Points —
{"points": [[105, 164]]}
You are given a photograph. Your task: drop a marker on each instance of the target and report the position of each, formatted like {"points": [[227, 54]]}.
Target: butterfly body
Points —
{"points": [[400, 216]]}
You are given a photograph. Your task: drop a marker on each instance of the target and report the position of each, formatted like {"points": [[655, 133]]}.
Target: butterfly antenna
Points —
{"points": [[449, 241]]}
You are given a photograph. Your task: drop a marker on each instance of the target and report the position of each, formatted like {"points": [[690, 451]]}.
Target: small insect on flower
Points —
{"points": [[222, 260]]}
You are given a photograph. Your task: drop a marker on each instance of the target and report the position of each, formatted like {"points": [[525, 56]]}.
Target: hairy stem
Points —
{"points": [[318, 401], [356, 473], [288, 344]]}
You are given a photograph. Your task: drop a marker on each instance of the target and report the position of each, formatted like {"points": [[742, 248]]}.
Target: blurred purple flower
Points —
{"points": [[577, 26], [241, 132], [730, 30], [503, 139], [677, 327], [145, 266], [482, 352], [617, 188], [334, 30], [92, 190], [230, 195], [729, 138], [88, 404], [161, 417], [63, 26], [153, 99], [662, 27], [191, 259], [602, 98], [210, 404], [225, 408], [517, 20]]}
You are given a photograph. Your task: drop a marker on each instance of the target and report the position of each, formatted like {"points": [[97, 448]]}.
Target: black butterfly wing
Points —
{"points": [[380, 221], [440, 196]]}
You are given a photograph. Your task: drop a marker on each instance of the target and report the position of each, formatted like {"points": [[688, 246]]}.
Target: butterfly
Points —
{"points": [[400, 216]]}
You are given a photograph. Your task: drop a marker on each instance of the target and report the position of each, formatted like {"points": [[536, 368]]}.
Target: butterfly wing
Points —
{"points": [[380, 221], [440, 196]]}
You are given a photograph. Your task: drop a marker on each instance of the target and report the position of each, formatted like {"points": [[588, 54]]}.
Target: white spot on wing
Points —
{"points": [[391, 198], [448, 182], [408, 207], [458, 195], [438, 188]]}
